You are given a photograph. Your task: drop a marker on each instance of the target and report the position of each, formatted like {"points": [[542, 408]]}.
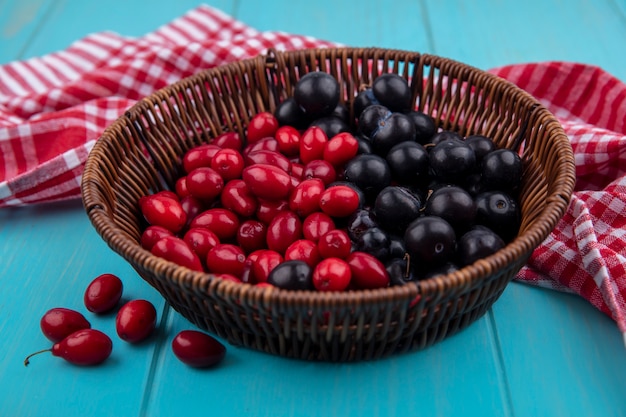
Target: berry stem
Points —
{"points": [[407, 271], [27, 360]]}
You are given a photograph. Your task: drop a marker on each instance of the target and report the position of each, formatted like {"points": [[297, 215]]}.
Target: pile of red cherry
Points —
{"points": [[311, 200], [78, 343]]}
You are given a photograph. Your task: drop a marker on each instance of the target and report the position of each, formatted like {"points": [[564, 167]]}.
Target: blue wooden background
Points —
{"points": [[536, 352]]}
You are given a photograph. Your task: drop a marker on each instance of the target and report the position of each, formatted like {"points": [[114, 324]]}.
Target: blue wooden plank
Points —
{"points": [[49, 255], [18, 23]]}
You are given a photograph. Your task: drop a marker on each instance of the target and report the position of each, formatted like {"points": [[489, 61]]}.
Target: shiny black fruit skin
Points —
{"points": [[400, 270], [408, 162], [317, 93], [361, 221], [395, 208], [498, 211], [393, 91], [452, 161], [430, 240], [331, 125], [396, 129], [372, 118], [445, 135], [425, 127], [292, 275], [502, 170], [481, 145], [363, 99], [476, 244], [289, 113], [369, 172], [374, 241], [453, 204]]}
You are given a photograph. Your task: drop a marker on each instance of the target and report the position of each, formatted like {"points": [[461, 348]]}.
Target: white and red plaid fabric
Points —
{"points": [[53, 109]]}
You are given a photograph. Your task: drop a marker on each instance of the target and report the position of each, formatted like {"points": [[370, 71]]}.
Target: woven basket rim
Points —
{"points": [[465, 277]]}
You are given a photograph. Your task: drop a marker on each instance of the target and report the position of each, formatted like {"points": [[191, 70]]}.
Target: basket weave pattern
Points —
{"points": [[142, 153]]}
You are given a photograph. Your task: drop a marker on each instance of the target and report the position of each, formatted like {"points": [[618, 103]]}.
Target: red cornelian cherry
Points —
{"points": [[265, 144], [237, 197], [224, 223], [199, 156], [334, 244], [367, 271], [283, 230], [103, 293], [205, 183], [152, 234], [84, 347], [269, 158], [268, 209], [252, 235], [303, 250], [305, 197], [201, 240], [58, 323], [267, 181], [181, 187], [316, 225], [228, 140], [228, 163], [163, 210], [261, 125], [175, 249], [340, 149], [135, 320], [192, 207], [331, 274], [225, 258], [197, 349], [312, 144], [339, 201], [288, 139], [321, 169], [264, 261]]}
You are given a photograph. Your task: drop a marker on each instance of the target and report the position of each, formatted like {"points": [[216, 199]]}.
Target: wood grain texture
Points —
{"points": [[536, 353]]}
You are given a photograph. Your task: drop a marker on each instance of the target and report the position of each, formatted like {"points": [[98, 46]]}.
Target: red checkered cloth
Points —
{"points": [[53, 109]]}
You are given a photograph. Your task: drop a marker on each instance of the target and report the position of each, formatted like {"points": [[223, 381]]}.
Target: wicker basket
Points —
{"points": [[141, 153]]}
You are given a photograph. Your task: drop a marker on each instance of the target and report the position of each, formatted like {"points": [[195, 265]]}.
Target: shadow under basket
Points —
{"points": [[142, 151]]}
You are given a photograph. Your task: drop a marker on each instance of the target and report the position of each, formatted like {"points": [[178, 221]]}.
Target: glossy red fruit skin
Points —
{"points": [[303, 250], [334, 244], [321, 169], [85, 347], [267, 181], [199, 156], [175, 249], [340, 149], [316, 225], [269, 158], [205, 183], [228, 140], [264, 261], [268, 209], [265, 144], [283, 230], [339, 201], [331, 274], [152, 234], [288, 139], [305, 197], [162, 210], [192, 207], [367, 271], [224, 223], [58, 323], [135, 321], [237, 197], [312, 144], [225, 258], [201, 240], [103, 293], [228, 163], [262, 125], [197, 349], [252, 235], [181, 187]]}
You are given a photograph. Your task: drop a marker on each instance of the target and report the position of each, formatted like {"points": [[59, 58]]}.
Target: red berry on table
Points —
{"points": [[332, 274], [198, 349], [84, 347], [135, 321], [103, 293], [58, 323]]}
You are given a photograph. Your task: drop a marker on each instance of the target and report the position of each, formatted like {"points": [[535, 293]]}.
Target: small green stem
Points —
{"points": [[27, 360]]}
